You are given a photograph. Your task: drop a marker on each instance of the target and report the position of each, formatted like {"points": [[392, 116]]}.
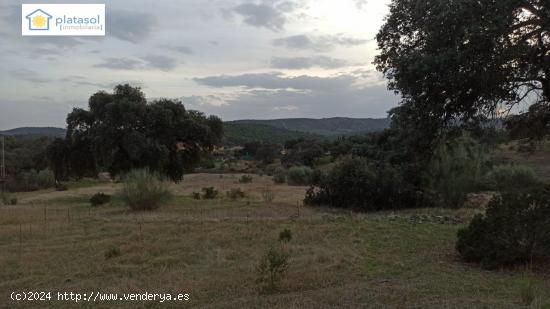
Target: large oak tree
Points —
{"points": [[122, 131], [463, 61]]}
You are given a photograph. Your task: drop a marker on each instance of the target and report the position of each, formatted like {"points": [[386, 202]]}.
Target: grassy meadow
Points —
{"points": [[54, 241]]}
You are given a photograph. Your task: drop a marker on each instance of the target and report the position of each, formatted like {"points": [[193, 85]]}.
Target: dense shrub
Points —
{"points": [[100, 199], [235, 194], [144, 190], [279, 176], [31, 180], [299, 176], [209, 193], [514, 230], [358, 185], [456, 169], [245, 179], [61, 187], [8, 199], [512, 177]]}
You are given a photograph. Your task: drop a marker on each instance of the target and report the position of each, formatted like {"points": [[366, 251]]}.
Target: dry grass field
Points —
{"points": [[54, 241]]}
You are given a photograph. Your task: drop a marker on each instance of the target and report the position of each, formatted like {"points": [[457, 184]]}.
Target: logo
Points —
{"points": [[63, 19], [39, 20]]}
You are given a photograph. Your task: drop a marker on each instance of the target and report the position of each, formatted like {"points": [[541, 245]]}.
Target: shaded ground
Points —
{"points": [[53, 241]]}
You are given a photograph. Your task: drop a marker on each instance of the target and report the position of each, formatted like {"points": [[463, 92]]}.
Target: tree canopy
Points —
{"points": [[122, 131], [462, 61]]}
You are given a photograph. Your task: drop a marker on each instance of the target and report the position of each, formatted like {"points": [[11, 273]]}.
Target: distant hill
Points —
{"points": [[240, 133], [326, 126], [41, 131], [275, 131]]}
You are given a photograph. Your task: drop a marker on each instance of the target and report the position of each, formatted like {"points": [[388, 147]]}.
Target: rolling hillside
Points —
{"points": [[42, 131], [274, 131], [326, 126]]}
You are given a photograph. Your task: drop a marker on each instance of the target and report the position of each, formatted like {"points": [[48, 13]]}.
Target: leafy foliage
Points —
{"points": [[144, 190], [122, 131], [356, 184], [514, 230], [457, 168], [455, 62], [299, 176], [246, 179], [273, 265], [209, 193], [506, 178]]}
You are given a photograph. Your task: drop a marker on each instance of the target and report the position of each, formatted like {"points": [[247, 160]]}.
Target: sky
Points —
{"points": [[238, 59]]}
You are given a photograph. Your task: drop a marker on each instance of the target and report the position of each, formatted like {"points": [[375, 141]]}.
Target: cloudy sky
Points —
{"points": [[238, 59]]}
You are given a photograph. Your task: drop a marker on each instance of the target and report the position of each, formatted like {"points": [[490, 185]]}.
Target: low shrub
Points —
{"points": [[209, 193], [272, 267], [8, 199], [512, 177], [299, 176], [144, 190], [31, 180], [235, 194], [100, 199], [196, 195], [285, 235], [245, 179], [356, 184], [514, 230], [279, 176]]}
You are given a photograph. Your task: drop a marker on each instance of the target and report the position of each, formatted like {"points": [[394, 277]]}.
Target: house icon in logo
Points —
{"points": [[39, 20]]}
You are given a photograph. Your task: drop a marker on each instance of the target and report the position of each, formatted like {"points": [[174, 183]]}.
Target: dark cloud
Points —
{"points": [[261, 15], [149, 62], [272, 15], [130, 26], [318, 43], [298, 63], [277, 80]]}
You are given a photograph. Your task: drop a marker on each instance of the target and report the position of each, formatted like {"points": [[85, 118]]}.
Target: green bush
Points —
{"points": [[235, 194], [514, 230], [456, 169], [512, 177], [209, 193], [32, 180], [144, 190], [299, 176], [356, 184], [285, 235], [279, 176], [245, 179], [100, 199], [8, 199], [272, 267]]}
